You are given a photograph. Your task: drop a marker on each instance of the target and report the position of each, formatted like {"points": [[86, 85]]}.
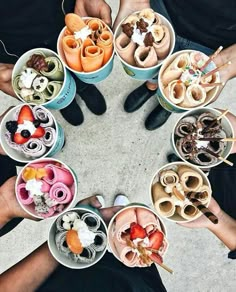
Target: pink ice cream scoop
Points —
{"points": [[60, 193], [58, 174], [24, 195]]}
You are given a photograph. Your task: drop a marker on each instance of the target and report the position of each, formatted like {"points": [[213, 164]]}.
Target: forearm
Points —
{"points": [[225, 230], [134, 5], [30, 273], [228, 55]]}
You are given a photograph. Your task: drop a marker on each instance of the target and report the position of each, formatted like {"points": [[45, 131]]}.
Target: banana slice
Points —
{"points": [[157, 32], [132, 19], [148, 14]]}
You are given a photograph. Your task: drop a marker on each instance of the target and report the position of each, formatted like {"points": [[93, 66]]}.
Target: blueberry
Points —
{"points": [[36, 123], [25, 133], [11, 126]]}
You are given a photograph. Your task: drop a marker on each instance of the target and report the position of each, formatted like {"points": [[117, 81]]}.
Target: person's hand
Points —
{"points": [[107, 213], [2, 152], [94, 8], [9, 206], [5, 79], [128, 7], [203, 221]]}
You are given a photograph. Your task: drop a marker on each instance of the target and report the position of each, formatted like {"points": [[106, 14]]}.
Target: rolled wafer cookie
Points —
{"points": [[175, 91], [91, 56], [92, 221], [122, 223], [74, 22], [125, 253], [175, 68], [44, 116], [145, 57], [163, 202], [60, 193], [49, 137], [169, 178], [33, 148], [125, 47], [55, 69], [60, 239], [162, 46], [187, 211], [203, 209], [99, 241], [72, 52], [24, 195], [203, 195], [147, 220], [190, 179], [87, 256], [195, 96], [105, 41]]}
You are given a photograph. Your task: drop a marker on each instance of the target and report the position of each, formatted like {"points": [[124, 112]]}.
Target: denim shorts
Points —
{"points": [[181, 43]]}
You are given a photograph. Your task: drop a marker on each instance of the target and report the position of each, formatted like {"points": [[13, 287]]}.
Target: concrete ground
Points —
{"points": [[115, 153]]}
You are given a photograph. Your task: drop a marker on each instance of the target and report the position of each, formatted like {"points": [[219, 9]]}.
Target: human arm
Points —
{"points": [[94, 8], [5, 79], [128, 7], [225, 229], [32, 271]]}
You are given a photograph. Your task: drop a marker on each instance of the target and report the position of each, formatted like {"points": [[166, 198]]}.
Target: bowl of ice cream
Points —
{"points": [[185, 83], [198, 137], [78, 238], [85, 46], [172, 188], [39, 77], [29, 132], [137, 236], [143, 40], [46, 187]]}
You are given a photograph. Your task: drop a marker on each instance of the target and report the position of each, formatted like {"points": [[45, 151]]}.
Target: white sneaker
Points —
{"points": [[121, 200], [101, 200]]}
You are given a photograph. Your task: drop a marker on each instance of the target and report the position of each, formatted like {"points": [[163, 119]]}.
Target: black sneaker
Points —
{"points": [[173, 158], [157, 118], [92, 97], [137, 98], [73, 114]]}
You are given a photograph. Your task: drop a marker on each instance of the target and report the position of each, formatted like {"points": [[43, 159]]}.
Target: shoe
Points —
{"points": [[157, 118], [137, 98], [92, 97], [101, 200], [121, 200], [73, 114], [173, 158]]}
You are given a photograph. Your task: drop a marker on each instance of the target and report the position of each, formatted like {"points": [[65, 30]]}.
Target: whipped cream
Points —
{"points": [[138, 37], [33, 186], [168, 189], [27, 125], [200, 144], [83, 33], [27, 77], [190, 76], [86, 236]]}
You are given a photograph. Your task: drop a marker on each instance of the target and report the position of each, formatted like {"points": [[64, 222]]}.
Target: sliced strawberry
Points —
{"points": [[156, 258], [25, 114], [137, 231], [39, 132], [156, 240], [18, 139]]}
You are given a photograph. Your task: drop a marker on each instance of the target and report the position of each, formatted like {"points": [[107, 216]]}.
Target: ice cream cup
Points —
{"points": [[59, 187], [63, 97], [111, 225], [136, 72], [16, 152], [167, 103], [172, 205], [65, 258], [87, 77], [226, 126]]}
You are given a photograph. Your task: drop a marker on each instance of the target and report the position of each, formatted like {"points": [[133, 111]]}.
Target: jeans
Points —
{"points": [[181, 43]]}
